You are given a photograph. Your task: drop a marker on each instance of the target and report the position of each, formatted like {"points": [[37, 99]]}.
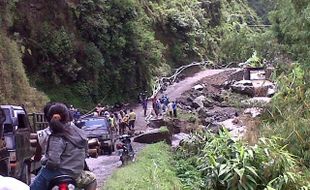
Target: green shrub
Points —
{"points": [[151, 171], [217, 162], [288, 115]]}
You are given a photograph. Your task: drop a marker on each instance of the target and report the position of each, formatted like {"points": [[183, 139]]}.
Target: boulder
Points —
{"points": [[174, 125], [190, 99], [244, 87], [154, 136], [264, 88], [177, 138], [156, 122], [237, 75], [184, 101], [227, 84], [257, 101], [236, 129], [208, 121], [208, 103], [254, 112], [198, 102], [214, 128], [217, 97], [198, 87], [202, 112]]}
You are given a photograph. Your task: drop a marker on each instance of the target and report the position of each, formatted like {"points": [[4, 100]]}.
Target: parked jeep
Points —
{"points": [[15, 148], [98, 128]]}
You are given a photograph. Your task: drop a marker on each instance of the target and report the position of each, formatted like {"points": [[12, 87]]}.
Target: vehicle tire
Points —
{"points": [[26, 174], [113, 147], [110, 150]]}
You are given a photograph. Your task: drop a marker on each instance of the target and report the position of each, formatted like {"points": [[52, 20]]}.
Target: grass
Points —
{"points": [[190, 117], [151, 171], [164, 129]]}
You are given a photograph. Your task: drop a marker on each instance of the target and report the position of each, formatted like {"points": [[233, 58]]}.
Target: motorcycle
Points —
{"points": [[62, 182], [125, 150]]}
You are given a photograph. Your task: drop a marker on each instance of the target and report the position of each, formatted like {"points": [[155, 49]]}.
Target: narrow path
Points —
{"points": [[104, 166]]}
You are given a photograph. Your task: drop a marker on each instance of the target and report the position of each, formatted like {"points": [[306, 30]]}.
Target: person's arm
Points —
{"points": [[56, 147]]}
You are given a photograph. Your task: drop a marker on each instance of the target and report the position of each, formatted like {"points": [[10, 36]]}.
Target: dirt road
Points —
{"points": [[104, 166]]}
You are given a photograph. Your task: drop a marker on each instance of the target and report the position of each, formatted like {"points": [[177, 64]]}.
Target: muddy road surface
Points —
{"points": [[104, 166]]}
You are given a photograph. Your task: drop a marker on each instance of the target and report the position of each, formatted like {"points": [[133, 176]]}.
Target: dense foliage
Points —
{"points": [[89, 51], [14, 84], [289, 113], [209, 161]]}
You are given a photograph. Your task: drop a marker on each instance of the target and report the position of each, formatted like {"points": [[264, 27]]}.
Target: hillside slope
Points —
{"points": [[88, 51], [14, 84]]}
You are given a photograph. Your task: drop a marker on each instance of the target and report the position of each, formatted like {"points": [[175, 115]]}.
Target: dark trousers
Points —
{"points": [[131, 124], [122, 127], [145, 111], [174, 113]]}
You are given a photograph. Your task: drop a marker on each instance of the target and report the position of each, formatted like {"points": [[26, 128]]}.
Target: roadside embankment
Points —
{"points": [[151, 170]]}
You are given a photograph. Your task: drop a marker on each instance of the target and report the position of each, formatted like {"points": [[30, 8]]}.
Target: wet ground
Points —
{"points": [[104, 166]]}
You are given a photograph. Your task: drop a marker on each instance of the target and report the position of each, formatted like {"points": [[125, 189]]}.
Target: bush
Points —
{"points": [[288, 116], [217, 162]]}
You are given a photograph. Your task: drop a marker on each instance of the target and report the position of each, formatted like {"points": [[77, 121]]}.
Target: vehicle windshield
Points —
{"points": [[96, 123]]}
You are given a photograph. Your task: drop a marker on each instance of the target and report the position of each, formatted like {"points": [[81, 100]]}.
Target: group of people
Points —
{"points": [[118, 121], [65, 148], [164, 105]]}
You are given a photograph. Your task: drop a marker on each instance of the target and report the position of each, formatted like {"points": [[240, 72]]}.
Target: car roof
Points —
{"points": [[93, 118], [11, 107]]}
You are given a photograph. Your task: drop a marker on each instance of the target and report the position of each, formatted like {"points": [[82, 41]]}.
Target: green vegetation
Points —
{"points": [[90, 51], [288, 116], [164, 129], [14, 85], [152, 171], [209, 161], [190, 117]]}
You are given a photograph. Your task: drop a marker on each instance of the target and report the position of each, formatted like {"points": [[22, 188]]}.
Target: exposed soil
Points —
{"points": [[104, 166]]}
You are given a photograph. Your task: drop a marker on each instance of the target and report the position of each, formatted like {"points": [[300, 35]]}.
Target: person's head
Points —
{"points": [[58, 116], [47, 107], [131, 110]]}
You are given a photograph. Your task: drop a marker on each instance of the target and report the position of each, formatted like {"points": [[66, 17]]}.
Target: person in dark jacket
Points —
{"points": [[66, 148]]}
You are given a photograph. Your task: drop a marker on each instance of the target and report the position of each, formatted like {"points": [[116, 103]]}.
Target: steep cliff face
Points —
{"points": [[14, 84], [87, 51]]}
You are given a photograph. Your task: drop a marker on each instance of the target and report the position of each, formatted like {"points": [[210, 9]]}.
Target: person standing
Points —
{"points": [[154, 105], [99, 109], [144, 105], [132, 119], [170, 108], [125, 123], [174, 108]]}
